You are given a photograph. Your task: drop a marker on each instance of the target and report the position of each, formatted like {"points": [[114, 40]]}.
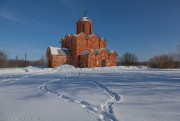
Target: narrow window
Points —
{"points": [[49, 63], [89, 29], [70, 45], [83, 28], [77, 30]]}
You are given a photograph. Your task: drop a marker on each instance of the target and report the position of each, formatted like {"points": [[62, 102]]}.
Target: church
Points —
{"points": [[85, 49]]}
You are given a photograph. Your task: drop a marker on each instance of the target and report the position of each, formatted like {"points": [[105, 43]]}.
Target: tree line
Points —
{"points": [[171, 60], [5, 62]]}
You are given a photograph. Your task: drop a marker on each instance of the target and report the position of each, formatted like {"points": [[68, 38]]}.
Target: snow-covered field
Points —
{"points": [[97, 94]]}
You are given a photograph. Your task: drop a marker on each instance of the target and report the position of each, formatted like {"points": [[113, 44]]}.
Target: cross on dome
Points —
{"points": [[85, 14]]}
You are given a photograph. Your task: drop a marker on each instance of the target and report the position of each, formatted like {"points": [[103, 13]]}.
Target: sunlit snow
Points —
{"points": [[97, 94]]}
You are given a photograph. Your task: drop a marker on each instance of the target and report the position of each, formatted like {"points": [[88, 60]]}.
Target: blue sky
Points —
{"points": [[143, 27]]}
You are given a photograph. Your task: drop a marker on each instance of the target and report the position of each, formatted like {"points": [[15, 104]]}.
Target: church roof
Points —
{"points": [[84, 19], [59, 51], [86, 52], [96, 50], [87, 36]]}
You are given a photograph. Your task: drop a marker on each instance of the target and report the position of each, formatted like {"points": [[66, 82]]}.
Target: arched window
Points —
{"points": [[89, 29], [70, 44], [83, 29], [103, 63]]}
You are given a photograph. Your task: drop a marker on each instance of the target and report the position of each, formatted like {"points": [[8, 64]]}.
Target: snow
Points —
{"points": [[55, 50], [112, 51], [95, 94], [86, 52], [95, 50], [65, 68], [4, 71], [84, 19]]}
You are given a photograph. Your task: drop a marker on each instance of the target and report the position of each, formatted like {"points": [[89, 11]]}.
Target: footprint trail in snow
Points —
{"points": [[104, 111]]}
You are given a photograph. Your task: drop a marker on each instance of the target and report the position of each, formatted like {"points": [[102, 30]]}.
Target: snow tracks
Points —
{"points": [[104, 111]]}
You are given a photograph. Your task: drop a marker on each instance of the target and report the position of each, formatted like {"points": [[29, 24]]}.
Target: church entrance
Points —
{"points": [[103, 63]]}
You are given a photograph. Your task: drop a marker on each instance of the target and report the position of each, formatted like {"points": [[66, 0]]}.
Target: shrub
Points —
{"points": [[162, 61], [129, 59]]}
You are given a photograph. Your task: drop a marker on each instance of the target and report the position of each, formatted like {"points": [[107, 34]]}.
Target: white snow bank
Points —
{"points": [[33, 69], [11, 70], [70, 68], [36, 69], [65, 68], [115, 68], [23, 70]]}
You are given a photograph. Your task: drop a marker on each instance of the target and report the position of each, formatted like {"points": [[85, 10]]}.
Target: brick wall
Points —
{"points": [[85, 27], [84, 40], [58, 60]]}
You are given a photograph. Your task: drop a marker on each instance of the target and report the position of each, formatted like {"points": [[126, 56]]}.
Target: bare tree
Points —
{"points": [[178, 52], [3, 59], [42, 61], [129, 59], [162, 61], [176, 56], [17, 58], [178, 48]]}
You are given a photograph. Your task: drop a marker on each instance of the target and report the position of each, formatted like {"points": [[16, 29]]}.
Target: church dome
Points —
{"points": [[84, 25]]}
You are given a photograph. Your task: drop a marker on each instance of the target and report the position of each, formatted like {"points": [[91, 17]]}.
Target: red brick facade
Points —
{"points": [[56, 60], [86, 49]]}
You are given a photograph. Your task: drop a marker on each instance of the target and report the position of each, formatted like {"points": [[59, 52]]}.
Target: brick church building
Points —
{"points": [[83, 49]]}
